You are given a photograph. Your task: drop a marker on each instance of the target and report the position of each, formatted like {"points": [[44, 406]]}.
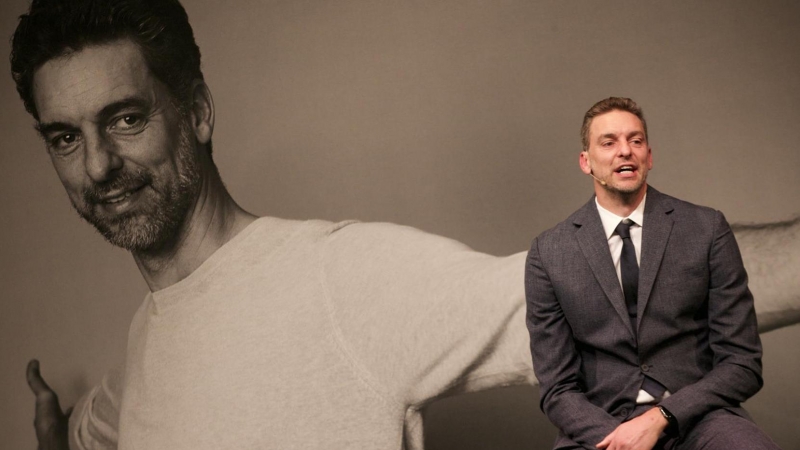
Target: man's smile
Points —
{"points": [[626, 171], [117, 201], [119, 196]]}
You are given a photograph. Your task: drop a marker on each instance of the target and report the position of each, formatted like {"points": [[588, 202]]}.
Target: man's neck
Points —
{"points": [[213, 221], [620, 203]]}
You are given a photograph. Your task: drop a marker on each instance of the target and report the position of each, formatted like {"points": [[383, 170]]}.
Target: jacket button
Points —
{"points": [[624, 412], [645, 367]]}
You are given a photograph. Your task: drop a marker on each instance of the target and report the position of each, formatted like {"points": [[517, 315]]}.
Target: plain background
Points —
{"points": [[457, 117]]}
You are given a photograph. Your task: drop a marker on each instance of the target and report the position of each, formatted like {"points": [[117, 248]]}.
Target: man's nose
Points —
{"points": [[102, 158], [625, 149]]}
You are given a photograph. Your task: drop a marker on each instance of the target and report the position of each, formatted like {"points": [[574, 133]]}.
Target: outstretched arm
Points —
{"points": [[771, 254]]}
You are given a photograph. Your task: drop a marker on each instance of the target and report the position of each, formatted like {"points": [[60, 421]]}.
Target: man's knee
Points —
{"points": [[723, 429]]}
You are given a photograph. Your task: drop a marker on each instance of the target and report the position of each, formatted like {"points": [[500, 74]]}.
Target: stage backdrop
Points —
{"points": [[457, 117]]}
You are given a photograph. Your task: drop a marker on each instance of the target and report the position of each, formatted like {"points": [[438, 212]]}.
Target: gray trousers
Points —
{"points": [[725, 430], [719, 430]]}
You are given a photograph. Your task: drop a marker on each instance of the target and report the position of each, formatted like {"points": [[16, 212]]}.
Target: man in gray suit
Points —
{"points": [[643, 333]]}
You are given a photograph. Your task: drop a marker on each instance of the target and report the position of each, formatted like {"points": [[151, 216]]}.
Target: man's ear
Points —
{"points": [[583, 161], [202, 112]]}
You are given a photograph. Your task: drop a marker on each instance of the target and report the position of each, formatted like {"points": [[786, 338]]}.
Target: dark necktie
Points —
{"points": [[629, 269]]}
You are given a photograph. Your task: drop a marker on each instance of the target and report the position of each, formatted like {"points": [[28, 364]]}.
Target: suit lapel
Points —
{"points": [[656, 230], [594, 245]]}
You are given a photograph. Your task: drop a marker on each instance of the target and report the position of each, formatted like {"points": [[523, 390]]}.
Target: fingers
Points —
{"points": [[46, 398], [606, 440], [44, 394], [34, 377], [50, 423]]}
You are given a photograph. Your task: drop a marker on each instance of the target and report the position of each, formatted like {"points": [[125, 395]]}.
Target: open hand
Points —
{"points": [[639, 433], [51, 423]]}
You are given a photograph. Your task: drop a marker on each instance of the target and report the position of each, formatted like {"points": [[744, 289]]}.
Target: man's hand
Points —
{"points": [[50, 423], [640, 433]]}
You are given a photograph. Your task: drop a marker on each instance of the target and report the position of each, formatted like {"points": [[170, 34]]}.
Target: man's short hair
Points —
{"points": [[608, 105], [54, 28]]}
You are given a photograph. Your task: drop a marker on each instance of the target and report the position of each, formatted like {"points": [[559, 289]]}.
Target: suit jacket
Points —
{"points": [[696, 325]]}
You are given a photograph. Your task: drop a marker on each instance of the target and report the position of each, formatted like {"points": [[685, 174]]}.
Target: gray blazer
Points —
{"points": [[697, 332]]}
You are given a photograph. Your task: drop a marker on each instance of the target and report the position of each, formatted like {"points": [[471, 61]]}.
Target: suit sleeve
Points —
{"points": [[557, 363], [733, 337]]}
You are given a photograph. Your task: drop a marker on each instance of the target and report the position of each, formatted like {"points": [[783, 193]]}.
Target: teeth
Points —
{"points": [[119, 199]]}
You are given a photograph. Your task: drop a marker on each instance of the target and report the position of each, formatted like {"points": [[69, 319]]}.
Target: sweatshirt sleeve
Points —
{"points": [[426, 316], [93, 424]]}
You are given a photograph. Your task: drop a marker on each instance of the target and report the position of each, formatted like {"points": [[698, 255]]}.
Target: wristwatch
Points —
{"points": [[672, 422]]}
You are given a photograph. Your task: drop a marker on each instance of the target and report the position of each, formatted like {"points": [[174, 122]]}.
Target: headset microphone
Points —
{"points": [[598, 179], [591, 172]]}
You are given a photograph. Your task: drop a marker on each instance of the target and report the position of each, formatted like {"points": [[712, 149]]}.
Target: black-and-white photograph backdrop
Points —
{"points": [[459, 118]]}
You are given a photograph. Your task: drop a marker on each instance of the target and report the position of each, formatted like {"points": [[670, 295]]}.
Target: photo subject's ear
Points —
{"points": [[202, 112]]}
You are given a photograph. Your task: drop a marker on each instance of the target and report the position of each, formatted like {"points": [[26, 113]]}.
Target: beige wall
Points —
{"points": [[458, 117]]}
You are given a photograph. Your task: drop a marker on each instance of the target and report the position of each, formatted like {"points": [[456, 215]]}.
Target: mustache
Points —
{"points": [[124, 181]]}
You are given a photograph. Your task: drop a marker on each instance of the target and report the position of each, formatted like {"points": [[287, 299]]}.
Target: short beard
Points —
{"points": [[626, 194], [157, 223]]}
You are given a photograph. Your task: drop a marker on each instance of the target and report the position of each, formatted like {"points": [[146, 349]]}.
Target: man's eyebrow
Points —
{"points": [[52, 127], [606, 135], [45, 128], [128, 102], [636, 133], [614, 135]]}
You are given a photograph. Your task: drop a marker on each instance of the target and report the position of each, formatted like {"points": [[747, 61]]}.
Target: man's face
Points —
{"points": [[618, 152], [125, 155]]}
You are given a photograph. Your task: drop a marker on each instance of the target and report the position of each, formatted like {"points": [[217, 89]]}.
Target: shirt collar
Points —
{"points": [[611, 220]]}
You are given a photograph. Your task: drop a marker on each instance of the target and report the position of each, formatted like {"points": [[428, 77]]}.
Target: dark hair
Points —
{"points": [[608, 105], [160, 28]]}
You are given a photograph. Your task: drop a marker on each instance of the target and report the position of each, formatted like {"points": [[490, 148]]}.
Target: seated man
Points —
{"points": [[643, 331]]}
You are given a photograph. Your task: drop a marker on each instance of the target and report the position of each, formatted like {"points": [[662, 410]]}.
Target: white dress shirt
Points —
{"points": [[610, 222]]}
